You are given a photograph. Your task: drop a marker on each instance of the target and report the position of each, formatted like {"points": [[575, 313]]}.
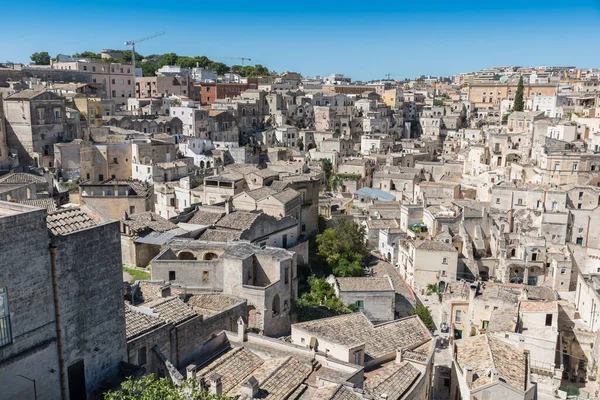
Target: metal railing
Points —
{"points": [[5, 331]]}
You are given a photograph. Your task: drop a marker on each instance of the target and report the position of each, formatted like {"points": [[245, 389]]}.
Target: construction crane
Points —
{"points": [[132, 43], [232, 58]]}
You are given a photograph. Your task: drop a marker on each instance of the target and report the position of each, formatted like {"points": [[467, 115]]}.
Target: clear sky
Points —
{"points": [[363, 40]]}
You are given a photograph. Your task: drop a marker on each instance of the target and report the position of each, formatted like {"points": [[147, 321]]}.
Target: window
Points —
{"points": [[5, 328], [286, 275], [484, 324], [131, 209], [534, 256], [57, 115], [563, 271], [443, 272], [498, 200], [205, 276], [458, 313], [574, 166], [40, 113], [445, 260], [172, 275], [302, 340], [556, 166], [495, 308], [100, 177], [520, 202], [113, 81], [141, 356], [487, 307], [548, 319], [115, 160], [360, 304]]}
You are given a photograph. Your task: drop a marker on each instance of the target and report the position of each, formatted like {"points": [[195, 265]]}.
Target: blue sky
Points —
{"points": [[364, 40]]}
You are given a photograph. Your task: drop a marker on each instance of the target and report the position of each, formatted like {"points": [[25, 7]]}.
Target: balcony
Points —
{"points": [[5, 332]]}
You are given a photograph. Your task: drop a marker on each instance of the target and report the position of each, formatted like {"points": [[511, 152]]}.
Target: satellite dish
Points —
{"points": [[504, 79]]}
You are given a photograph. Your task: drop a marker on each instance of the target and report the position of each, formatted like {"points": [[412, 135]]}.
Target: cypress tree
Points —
{"points": [[519, 104]]}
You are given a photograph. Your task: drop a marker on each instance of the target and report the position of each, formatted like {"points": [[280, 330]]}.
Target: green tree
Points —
{"points": [[327, 167], [127, 56], [219, 67], [87, 54], [342, 248], [519, 104], [151, 388], [148, 68], [42, 58], [167, 59], [321, 293], [425, 314]]}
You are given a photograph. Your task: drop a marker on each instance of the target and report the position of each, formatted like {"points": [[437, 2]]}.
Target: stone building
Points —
{"points": [[265, 277], [114, 198], [35, 121], [178, 323], [486, 367], [28, 337], [373, 296], [66, 328]]}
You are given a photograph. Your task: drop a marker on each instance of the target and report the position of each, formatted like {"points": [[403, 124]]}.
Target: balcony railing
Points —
{"points": [[5, 332]]}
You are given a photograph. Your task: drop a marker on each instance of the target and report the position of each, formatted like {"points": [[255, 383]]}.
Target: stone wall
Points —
{"points": [[26, 277], [90, 290]]}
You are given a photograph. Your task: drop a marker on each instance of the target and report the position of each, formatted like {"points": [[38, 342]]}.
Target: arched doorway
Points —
{"points": [[442, 286]]}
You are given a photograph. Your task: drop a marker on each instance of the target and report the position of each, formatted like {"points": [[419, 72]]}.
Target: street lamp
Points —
{"points": [[34, 386]]}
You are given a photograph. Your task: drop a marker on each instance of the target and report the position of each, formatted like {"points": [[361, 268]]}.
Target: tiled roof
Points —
{"points": [[393, 380], [364, 284], [238, 220], [286, 195], [261, 192], [279, 185], [171, 309], [211, 303], [68, 221], [284, 380], [26, 94], [539, 306], [502, 321], [48, 203], [354, 329], [382, 268], [233, 366], [485, 353], [137, 323], [382, 223], [433, 245], [22, 177], [205, 218], [219, 235], [148, 221], [540, 293]]}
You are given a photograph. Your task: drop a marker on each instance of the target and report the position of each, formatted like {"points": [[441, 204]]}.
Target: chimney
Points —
{"points": [[250, 388], [468, 374], [165, 291], [216, 386], [228, 206], [190, 371], [241, 330], [494, 375], [398, 356]]}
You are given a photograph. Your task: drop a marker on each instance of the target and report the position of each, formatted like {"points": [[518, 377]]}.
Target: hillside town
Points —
{"points": [[248, 234]]}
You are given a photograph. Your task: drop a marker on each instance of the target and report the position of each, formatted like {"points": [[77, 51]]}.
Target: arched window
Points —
{"points": [[276, 305], [186, 255], [210, 256]]}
